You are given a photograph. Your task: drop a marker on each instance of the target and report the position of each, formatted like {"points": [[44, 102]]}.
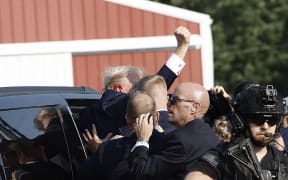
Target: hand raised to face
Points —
{"points": [[144, 126]]}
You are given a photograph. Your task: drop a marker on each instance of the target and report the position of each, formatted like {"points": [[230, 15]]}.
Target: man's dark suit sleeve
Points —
{"points": [[166, 163], [168, 75]]}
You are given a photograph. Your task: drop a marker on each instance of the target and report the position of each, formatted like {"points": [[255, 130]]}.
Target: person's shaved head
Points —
{"points": [[197, 93], [191, 101]]}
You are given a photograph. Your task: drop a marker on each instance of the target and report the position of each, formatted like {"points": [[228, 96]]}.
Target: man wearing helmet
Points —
{"points": [[260, 109], [249, 156]]}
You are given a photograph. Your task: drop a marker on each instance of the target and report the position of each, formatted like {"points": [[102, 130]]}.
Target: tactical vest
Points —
{"points": [[239, 162]]}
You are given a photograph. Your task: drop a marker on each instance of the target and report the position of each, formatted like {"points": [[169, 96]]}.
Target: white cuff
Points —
{"points": [[140, 143], [175, 64]]}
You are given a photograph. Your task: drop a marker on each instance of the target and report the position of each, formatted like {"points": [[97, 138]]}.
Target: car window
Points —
{"points": [[19, 122], [50, 128]]}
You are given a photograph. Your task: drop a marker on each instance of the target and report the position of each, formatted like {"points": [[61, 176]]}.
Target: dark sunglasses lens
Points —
{"points": [[272, 122], [171, 99], [258, 122], [261, 120]]}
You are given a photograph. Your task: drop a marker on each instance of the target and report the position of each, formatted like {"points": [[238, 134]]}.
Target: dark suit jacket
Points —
{"points": [[182, 148], [108, 113], [110, 161], [166, 125]]}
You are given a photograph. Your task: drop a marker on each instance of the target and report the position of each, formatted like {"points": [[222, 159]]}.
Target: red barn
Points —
{"points": [[71, 42]]}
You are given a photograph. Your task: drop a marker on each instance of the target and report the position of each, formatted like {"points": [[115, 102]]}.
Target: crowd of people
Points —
{"points": [[139, 131]]}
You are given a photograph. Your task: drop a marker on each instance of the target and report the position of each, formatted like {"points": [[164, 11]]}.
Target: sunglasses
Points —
{"points": [[259, 120], [174, 99]]}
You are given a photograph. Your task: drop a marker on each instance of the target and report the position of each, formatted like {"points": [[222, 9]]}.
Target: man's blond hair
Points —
{"points": [[140, 103], [155, 86]]}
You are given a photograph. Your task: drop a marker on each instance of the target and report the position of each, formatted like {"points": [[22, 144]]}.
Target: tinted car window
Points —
{"points": [[56, 135], [20, 122]]}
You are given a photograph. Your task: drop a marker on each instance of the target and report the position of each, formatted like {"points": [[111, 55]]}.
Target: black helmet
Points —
{"points": [[258, 102]]}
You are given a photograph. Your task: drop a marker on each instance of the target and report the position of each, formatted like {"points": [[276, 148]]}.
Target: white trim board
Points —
{"points": [[96, 46], [167, 10]]}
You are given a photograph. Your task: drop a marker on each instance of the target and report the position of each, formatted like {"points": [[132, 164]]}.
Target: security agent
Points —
{"points": [[250, 156], [182, 147]]}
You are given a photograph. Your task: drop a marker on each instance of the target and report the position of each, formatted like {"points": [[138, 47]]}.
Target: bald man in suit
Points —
{"points": [[183, 146]]}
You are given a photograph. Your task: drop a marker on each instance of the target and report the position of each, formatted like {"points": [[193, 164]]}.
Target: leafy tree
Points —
{"points": [[250, 40]]}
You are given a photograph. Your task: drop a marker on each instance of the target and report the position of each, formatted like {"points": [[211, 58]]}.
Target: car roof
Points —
{"points": [[21, 90], [34, 96]]}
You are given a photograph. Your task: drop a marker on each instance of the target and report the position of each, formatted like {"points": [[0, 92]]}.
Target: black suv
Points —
{"points": [[61, 142]]}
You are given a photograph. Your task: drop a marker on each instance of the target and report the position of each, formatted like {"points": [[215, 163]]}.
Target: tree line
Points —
{"points": [[250, 40]]}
